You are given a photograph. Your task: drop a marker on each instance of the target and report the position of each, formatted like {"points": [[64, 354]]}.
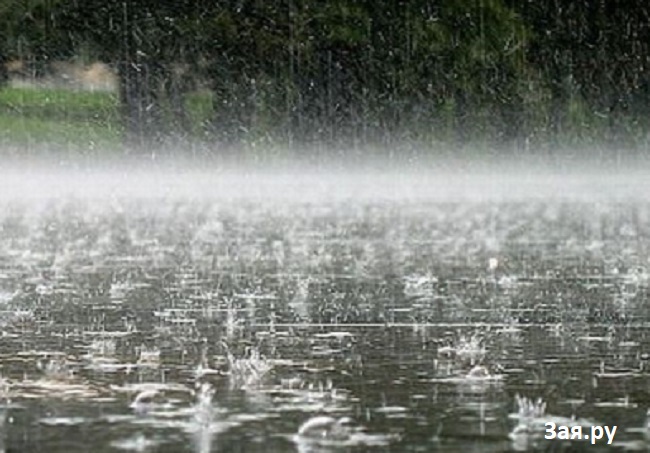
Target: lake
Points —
{"points": [[228, 314]]}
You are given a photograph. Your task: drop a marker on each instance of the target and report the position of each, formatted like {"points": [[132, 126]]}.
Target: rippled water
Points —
{"points": [[207, 324]]}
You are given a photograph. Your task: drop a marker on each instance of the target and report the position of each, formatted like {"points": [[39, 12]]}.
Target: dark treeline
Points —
{"points": [[353, 73]]}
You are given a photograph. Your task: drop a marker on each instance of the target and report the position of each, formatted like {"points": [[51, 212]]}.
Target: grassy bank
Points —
{"points": [[37, 121], [35, 118]]}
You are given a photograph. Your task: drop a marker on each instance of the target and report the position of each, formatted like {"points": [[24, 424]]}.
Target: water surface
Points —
{"points": [[242, 316]]}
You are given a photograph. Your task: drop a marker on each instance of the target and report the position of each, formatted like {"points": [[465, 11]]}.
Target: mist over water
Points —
{"points": [[419, 179]]}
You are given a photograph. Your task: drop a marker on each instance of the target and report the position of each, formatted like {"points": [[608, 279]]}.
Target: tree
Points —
{"points": [[29, 32], [146, 42]]}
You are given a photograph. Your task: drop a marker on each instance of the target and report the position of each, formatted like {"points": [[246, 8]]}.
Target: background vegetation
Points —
{"points": [[343, 74]]}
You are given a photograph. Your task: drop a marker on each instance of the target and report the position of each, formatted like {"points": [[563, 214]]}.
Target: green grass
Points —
{"points": [[32, 116], [199, 109], [59, 104], [18, 130], [75, 119]]}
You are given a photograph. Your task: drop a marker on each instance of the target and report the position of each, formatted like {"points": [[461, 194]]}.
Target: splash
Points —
{"points": [[203, 419], [249, 370]]}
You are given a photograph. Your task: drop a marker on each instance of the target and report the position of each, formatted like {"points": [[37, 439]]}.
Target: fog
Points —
{"points": [[417, 180]]}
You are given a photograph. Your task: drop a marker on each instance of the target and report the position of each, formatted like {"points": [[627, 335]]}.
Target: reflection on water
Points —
{"points": [[203, 325]]}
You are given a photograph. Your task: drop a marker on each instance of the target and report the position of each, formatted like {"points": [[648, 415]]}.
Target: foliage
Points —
{"points": [[348, 72]]}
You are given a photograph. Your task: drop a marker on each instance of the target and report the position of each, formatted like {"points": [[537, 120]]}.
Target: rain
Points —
{"points": [[339, 226]]}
